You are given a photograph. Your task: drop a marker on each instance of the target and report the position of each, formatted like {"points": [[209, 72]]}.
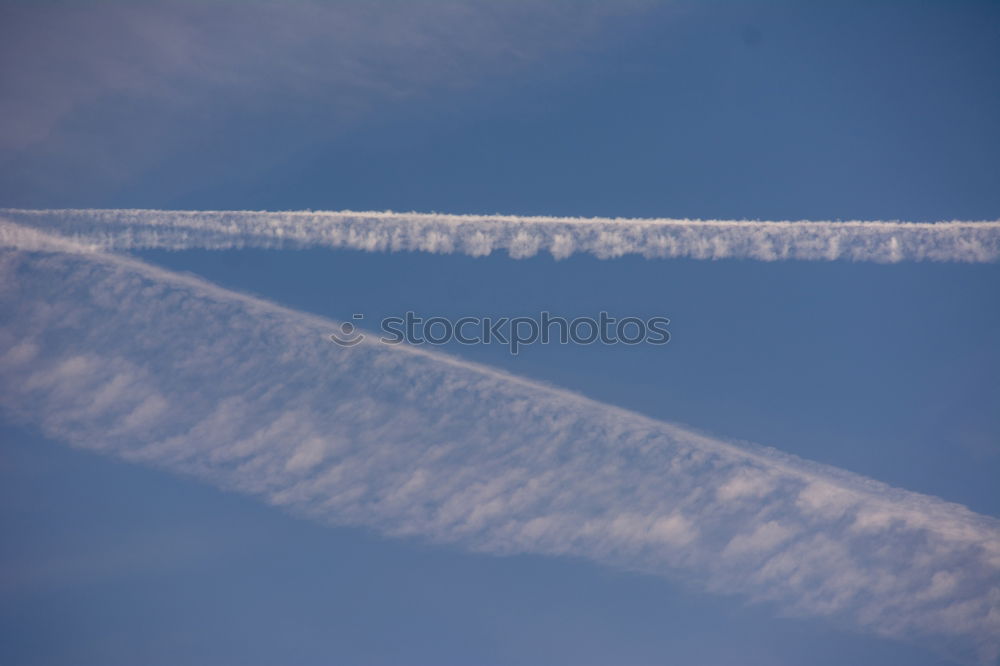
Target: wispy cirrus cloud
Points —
{"points": [[110, 87], [522, 236], [126, 359], [57, 58]]}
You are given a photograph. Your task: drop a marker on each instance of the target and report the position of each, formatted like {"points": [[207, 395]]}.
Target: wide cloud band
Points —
{"points": [[118, 356]]}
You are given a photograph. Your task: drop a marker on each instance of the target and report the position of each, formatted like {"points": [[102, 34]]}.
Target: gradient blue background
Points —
{"points": [[725, 110]]}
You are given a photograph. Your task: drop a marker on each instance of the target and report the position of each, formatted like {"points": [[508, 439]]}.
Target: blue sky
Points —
{"points": [[871, 111]]}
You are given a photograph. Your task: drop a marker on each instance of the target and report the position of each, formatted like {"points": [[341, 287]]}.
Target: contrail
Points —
{"points": [[120, 357], [521, 237]]}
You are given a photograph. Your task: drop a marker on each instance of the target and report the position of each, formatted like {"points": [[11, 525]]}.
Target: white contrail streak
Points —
{"points": [[521, 237], [124, 358]]}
